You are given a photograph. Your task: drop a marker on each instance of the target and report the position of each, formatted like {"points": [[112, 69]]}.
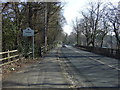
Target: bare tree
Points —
{"points": [[114, 18], [76, 29], [84, 28], [92, 20]]}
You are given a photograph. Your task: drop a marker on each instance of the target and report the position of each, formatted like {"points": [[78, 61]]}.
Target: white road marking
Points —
{"points": [[111, 66], [105, 63]]}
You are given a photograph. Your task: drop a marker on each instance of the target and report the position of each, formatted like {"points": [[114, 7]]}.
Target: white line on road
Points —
{"points": [[111, 66], [104, 63]]}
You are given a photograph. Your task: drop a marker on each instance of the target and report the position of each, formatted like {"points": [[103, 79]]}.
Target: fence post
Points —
{"points": [[8, 55], [40, 51]]}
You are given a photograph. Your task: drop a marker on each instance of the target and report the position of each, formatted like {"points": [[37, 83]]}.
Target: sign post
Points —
{"points": [[29, 32], [33, 47]]}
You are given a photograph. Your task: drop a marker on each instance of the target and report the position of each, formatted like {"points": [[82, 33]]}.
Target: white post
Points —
{"points": [[33, 46]]}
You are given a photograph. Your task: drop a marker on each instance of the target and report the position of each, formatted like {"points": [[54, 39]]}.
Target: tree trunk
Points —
{"points": [[101, 42], [116, 34], [77, 37]]}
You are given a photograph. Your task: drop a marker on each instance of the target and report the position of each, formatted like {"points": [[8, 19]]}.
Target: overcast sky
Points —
{"points": [[72, 9]]}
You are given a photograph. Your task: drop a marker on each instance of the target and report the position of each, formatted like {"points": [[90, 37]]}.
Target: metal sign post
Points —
{"points": [[33, 47], [29, 32]]}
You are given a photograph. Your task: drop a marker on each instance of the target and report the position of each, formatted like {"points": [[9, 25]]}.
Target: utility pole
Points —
{"points": [[46, 24]]}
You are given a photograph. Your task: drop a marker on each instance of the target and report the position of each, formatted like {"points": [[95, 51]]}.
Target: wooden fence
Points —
{"points": [[13, 56], [43, 50], [9, 57]]}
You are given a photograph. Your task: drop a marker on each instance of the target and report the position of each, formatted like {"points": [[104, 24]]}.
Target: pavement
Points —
{"points": [[67, 67]]}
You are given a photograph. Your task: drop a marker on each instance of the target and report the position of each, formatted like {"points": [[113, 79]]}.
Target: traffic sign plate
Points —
{"points": [[28, 32]]}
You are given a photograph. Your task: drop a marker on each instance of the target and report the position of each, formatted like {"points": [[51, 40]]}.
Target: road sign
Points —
{"points": [[28, 32]]}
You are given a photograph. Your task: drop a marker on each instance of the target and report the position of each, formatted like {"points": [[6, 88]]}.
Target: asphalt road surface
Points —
{"points": [[67, 67]]}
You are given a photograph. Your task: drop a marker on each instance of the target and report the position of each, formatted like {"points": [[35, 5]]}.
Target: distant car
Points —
{"points": [[63, 45], [104, 47]]}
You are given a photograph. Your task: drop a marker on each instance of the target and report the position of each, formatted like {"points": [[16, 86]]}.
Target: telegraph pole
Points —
{"points": [[45, 33]]}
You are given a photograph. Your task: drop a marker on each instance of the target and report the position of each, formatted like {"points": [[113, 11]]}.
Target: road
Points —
{"points": [[67, 67]]}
